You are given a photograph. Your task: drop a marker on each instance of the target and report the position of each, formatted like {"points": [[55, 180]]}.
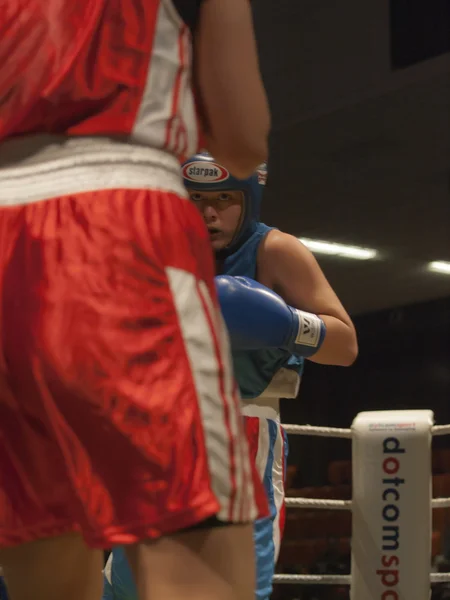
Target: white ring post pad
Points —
{"points": [[391, 517]]}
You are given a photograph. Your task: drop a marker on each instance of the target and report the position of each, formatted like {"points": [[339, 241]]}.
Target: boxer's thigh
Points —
{"points": [[53, 568], [207, 563], [265, 557], [268, 449], [119, 581]]}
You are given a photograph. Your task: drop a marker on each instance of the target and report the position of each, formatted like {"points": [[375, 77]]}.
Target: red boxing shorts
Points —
{"points": [[119, 416]]}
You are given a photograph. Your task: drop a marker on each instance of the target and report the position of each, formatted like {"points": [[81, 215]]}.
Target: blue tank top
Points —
{"points": [[255, 369]]}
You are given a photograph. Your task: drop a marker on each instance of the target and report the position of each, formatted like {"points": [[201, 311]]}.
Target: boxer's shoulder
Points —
{"points": [[278, 243], [276, 250]]}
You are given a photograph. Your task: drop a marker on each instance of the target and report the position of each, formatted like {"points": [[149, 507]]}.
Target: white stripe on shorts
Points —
{"points": [[262, 457], [108, 569], [278, 487], [201, 350], [243, 506]]}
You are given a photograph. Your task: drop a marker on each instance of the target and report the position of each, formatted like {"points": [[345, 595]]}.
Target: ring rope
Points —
{"points": [[345, 504], [314, 579], [316, 503], [318, 431], [440, 430], [340, 579], [338, 432]]}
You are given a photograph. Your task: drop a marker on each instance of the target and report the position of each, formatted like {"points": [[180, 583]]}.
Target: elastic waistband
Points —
{"points": [[263, 408], [41, 167]]}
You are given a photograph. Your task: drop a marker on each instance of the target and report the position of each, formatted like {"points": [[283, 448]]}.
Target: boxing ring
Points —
{"points": [[391, 505]]}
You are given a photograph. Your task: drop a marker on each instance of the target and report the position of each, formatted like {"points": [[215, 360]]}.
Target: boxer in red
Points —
{"points": [[119, 416]]}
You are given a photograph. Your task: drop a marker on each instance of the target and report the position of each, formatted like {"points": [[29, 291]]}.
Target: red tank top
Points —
{"points": [[98, 67]]}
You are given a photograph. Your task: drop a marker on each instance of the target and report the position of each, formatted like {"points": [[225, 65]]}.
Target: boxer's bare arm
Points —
{"points": [[288, 267], [231, 93]]}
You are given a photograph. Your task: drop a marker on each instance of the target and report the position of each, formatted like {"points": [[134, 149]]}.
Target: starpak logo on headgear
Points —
{"points": [[205, 172]]}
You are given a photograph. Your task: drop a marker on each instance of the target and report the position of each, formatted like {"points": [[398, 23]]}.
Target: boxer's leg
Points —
{"points": [[184, 565], [269, 449], [59, 568], [3, 590], [119, 581], [208, 563], [108, 591]]}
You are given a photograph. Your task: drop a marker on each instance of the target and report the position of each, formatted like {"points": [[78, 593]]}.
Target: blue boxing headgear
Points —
{"points": [[202, 173]]}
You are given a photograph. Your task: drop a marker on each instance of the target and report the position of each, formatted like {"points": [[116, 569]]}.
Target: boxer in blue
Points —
{"points": [[279, 309]]}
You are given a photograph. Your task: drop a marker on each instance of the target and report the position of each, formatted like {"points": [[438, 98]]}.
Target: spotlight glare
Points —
{"points": [[439, 266], [335, 249]]}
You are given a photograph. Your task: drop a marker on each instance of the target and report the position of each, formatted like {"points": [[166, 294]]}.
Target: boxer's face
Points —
{"points": [[221, 212]]}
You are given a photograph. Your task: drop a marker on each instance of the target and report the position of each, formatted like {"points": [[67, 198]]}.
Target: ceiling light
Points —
{"points": [[440, 266], [334, 249]]}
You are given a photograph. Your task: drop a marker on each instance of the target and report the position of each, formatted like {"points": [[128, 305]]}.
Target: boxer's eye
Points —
{"points": [[224, 200]]}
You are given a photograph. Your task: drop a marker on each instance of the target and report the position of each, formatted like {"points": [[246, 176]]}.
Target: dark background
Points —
{"points": [[360, 148], [404, 362], [360, 154]]}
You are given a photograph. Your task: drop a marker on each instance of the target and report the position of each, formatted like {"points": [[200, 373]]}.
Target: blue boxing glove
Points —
{"points": [[258, 318]]}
